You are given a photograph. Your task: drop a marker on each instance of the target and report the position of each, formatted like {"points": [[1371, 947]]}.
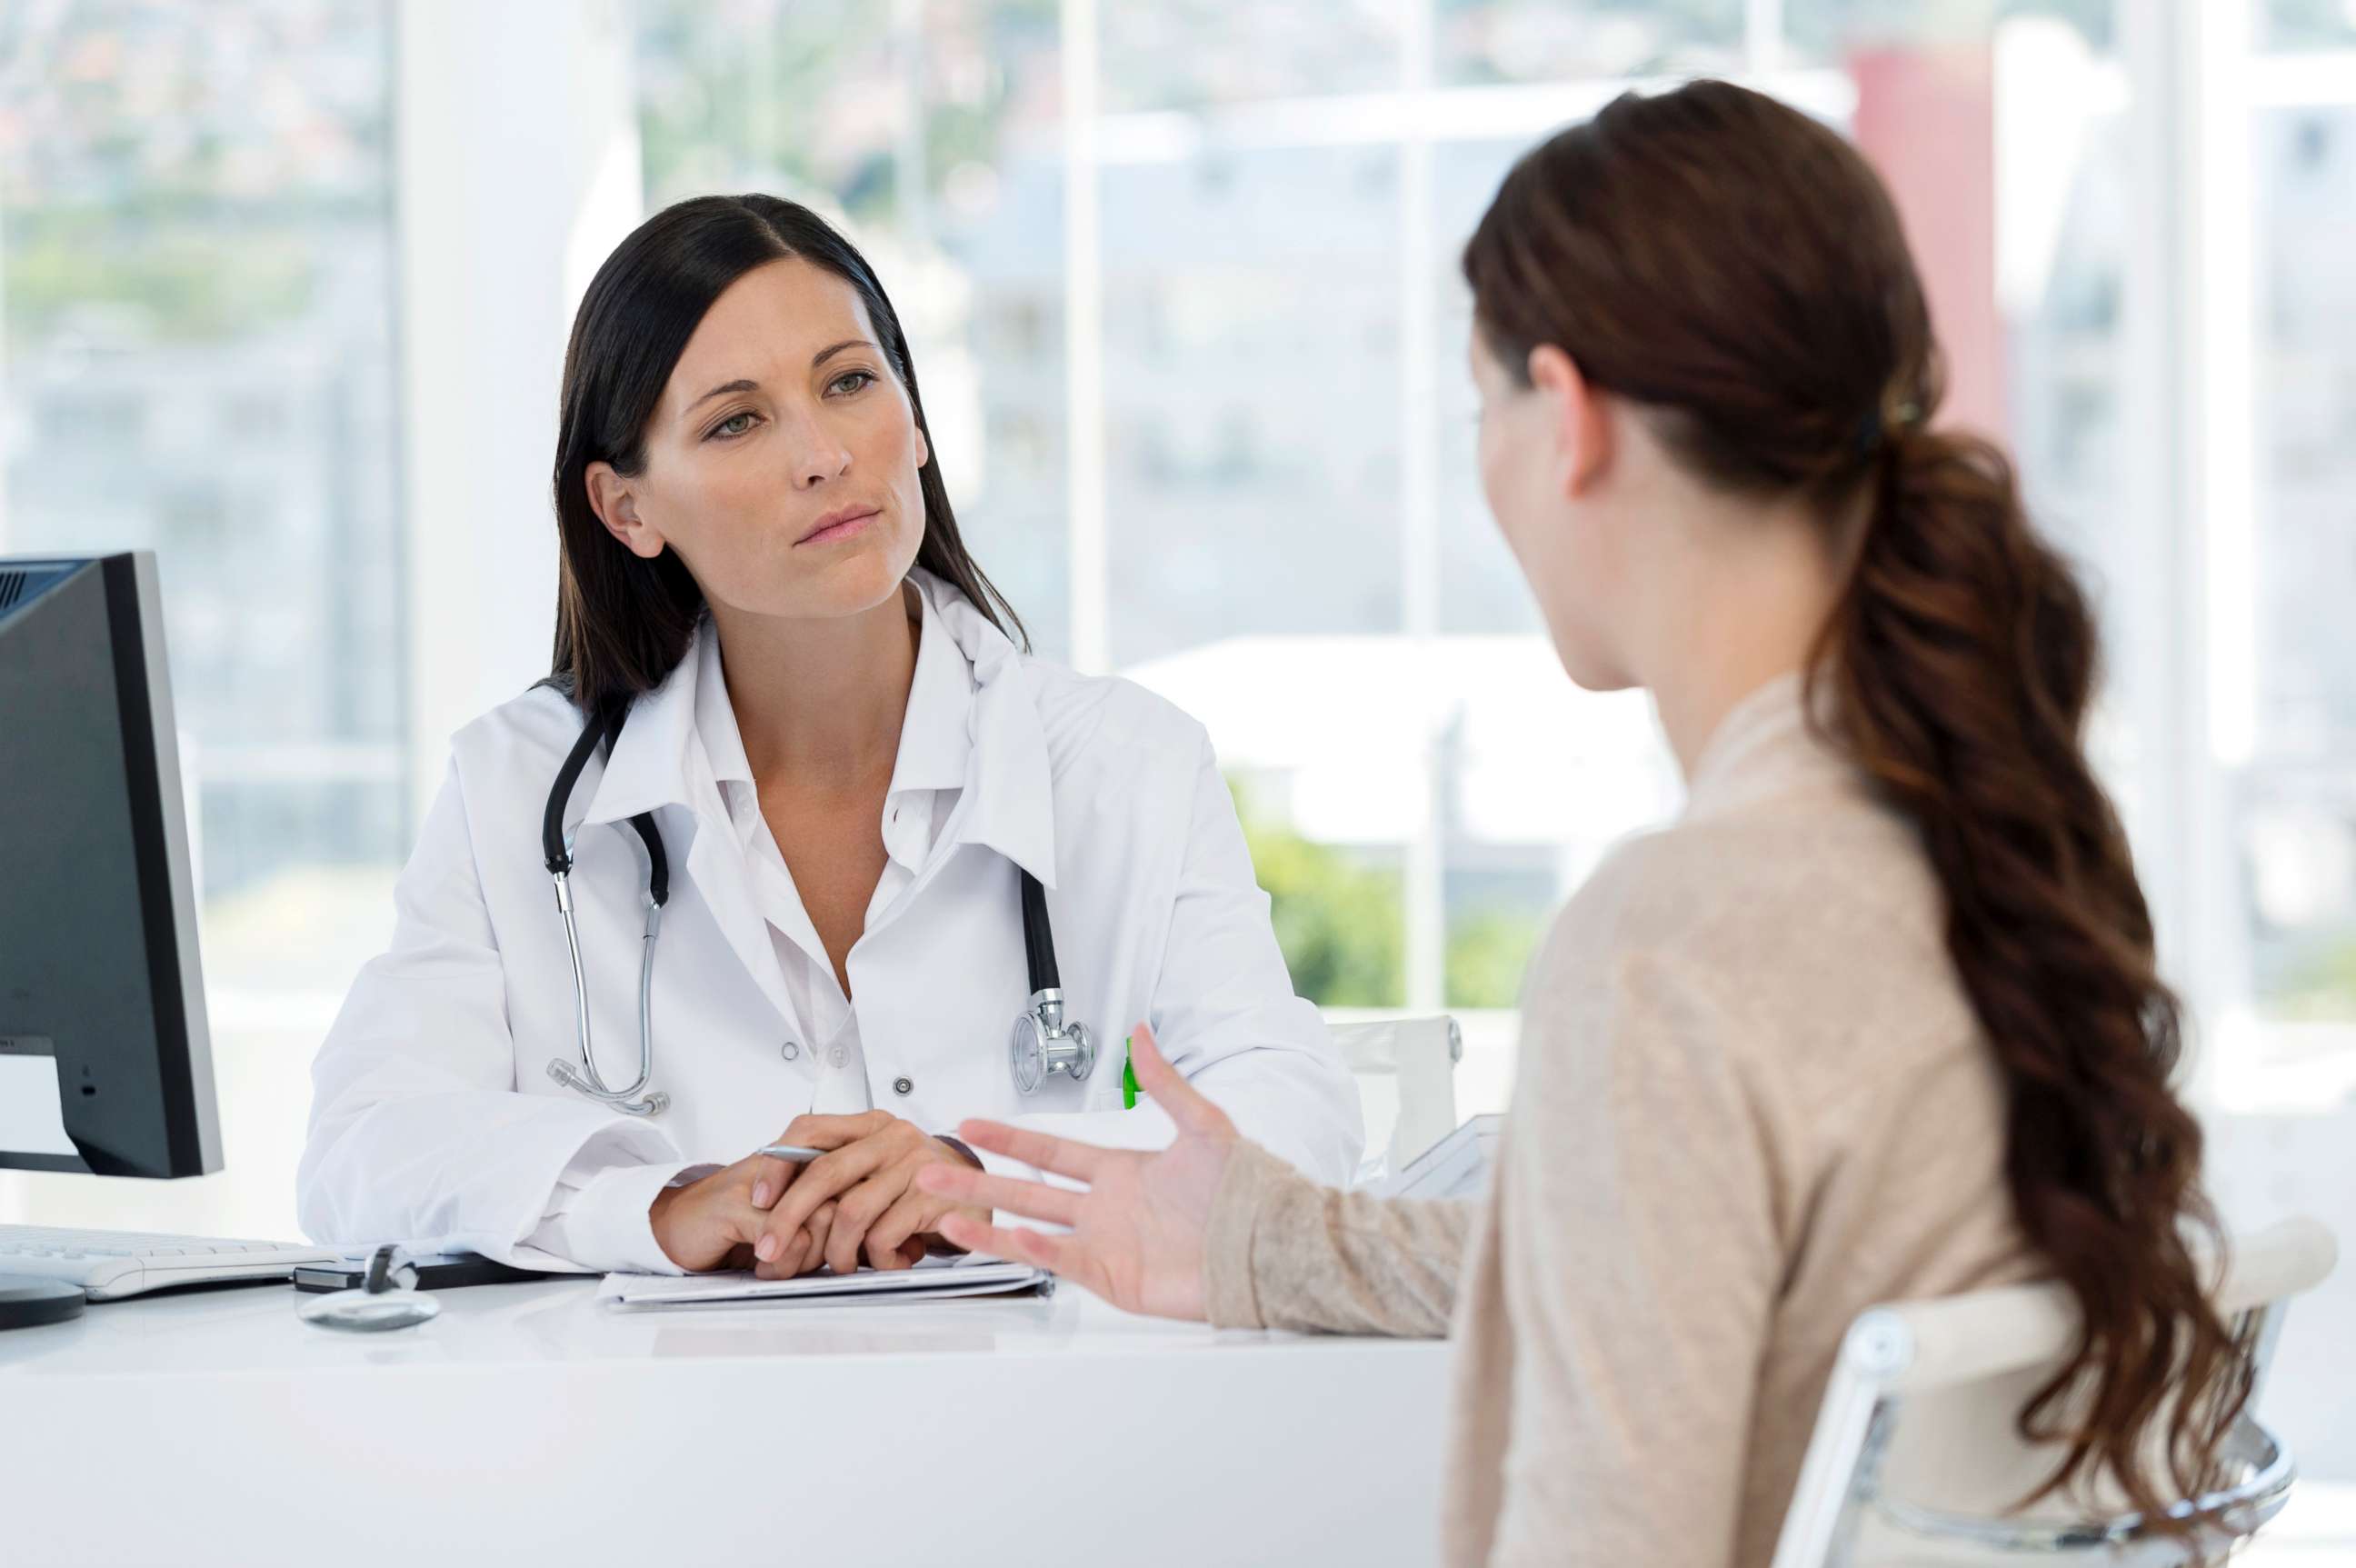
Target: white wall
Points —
{"points": [[517, 172]]}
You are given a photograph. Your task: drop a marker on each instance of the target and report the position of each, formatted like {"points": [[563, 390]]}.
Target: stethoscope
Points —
{"points": [[1043, 1047]]}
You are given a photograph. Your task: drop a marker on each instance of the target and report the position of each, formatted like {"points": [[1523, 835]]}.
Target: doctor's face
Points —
{"points": [[781, 462]]}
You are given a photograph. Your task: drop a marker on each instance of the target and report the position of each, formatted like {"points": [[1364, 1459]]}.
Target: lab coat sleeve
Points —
{"points": [[418, 1134], [600, 1207], [1225, 1014]]}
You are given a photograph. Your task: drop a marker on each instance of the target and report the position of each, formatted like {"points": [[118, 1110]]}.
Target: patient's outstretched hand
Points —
{"points": [[1136, 1233]]}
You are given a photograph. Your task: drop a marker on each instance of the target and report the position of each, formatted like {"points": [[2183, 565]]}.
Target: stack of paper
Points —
{"points": [[935, 1279]]}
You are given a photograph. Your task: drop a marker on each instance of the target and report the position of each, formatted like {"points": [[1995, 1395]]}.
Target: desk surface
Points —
{"points": [[531, 1417]]}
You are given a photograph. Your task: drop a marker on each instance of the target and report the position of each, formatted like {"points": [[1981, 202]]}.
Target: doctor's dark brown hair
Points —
{"points": [[622, 623], [1735, 272]]}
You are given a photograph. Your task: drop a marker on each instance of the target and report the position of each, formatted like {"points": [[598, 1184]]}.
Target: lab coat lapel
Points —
{"points": [[716, 870], [1007, 803], [1010, 790]]}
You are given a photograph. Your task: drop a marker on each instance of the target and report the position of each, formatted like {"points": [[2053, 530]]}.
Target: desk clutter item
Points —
{"points": [[108, 1265], [935, 1279], [433, 1271], [386, 1297], [1457, 1167]]}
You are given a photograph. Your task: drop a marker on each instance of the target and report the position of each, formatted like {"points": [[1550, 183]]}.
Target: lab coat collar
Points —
{"points": [[1009, 803], [995, 750], [937, 736], [653, 762]]}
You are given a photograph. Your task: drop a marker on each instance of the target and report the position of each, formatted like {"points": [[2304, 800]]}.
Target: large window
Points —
{"points": [[196, 272], [932, 128], [2297, 738]]}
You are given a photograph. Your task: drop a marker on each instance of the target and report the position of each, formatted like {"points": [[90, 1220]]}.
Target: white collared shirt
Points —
{"points": [[436, 1120], [927, 778]]}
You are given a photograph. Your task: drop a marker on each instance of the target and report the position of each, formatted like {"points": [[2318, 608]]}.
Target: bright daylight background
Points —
{"points": [[285, 287]]}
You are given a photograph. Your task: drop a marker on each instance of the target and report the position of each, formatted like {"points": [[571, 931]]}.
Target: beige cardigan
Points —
{"points": [[1752, 1099]]}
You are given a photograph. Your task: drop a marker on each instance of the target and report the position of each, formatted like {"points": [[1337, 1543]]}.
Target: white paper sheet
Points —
{"points": [[935, 1279]]}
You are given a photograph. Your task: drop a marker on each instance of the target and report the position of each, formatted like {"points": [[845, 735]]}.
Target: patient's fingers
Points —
{"points": [[1185, 1104], [1033, 1200], [1034, 1247], [1065, 1157]]}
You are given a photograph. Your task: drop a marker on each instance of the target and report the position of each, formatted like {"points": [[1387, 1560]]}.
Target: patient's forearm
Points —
{"points": [[1285, 1252]]}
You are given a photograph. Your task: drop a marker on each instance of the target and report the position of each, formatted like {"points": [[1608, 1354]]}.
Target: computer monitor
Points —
{"points": [[105, 1064]]}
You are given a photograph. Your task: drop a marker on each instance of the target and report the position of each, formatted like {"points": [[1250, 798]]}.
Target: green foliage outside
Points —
{"points": [[175, 282], [1486, 956], [1342, 926]]}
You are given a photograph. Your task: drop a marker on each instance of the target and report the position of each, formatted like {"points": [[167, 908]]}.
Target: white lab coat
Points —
{"points": [[434, 1121]]}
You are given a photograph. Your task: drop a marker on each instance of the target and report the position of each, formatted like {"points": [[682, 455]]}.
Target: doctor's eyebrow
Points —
{"points": [[821, 358]]}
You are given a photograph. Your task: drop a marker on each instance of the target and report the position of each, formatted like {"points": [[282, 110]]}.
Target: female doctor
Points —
{"points": [[794, 845]]}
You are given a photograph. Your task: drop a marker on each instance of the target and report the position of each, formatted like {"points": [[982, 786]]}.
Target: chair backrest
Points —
{"points": [[1409, 1063], [1916, 1458]]}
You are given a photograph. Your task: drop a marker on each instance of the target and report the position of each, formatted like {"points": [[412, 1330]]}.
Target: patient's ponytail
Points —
{"points": [[1736, 272], [1964, 661]]}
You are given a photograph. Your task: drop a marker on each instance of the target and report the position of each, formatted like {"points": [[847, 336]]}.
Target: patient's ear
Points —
{"points": [[616, 506], [1580, 416]]}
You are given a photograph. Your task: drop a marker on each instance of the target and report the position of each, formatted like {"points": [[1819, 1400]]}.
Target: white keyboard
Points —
{"points": [[111, 1264]]}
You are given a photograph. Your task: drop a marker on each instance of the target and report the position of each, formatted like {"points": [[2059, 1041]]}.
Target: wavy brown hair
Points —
{"points": [[1735, 271]]}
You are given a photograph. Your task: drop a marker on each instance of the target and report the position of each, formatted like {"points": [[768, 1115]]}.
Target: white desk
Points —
{"points": [[215, 1427]]}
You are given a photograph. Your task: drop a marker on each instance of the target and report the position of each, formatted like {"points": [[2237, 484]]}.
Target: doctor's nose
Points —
{"points": [[817, 457]]}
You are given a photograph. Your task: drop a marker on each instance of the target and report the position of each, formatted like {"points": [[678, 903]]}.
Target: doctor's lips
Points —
{"points": [[841, 524]]}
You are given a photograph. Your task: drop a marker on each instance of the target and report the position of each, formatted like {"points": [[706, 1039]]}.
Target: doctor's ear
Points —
{"points": [[1579, 414], [617, 509]]}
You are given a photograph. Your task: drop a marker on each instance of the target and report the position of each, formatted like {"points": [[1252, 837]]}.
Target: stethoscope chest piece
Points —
{"points": [[1044, 1046]]}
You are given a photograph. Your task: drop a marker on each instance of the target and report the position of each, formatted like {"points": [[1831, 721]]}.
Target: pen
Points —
{"points": [[792, 1152]]}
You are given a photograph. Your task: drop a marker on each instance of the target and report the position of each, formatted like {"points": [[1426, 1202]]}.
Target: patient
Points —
{"points": [[1877, 1018]]}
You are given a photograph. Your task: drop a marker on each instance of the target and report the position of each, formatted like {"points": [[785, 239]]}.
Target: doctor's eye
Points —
{"points": [[863, 380], [735, 424]]}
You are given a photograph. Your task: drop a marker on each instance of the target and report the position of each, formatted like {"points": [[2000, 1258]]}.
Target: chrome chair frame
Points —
{"points": [[1842, 1487]]}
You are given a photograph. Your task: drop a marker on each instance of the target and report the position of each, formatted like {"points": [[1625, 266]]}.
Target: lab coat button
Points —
{"points": [[837, 1057], [790, 1049], [901, 1085]]}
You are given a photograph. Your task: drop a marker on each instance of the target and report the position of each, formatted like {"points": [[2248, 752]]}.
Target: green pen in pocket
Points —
{"points": [[1128, 1072]]}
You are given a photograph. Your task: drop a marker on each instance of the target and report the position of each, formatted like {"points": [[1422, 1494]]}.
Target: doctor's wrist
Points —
{"points": [[702, 1224], [658, 1217]]}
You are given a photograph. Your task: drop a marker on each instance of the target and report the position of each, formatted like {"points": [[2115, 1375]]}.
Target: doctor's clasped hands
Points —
{"points": [[857, 1202]]}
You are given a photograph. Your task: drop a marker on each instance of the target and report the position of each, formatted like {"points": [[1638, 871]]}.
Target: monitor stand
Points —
{"points": [[25, 1301]]}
